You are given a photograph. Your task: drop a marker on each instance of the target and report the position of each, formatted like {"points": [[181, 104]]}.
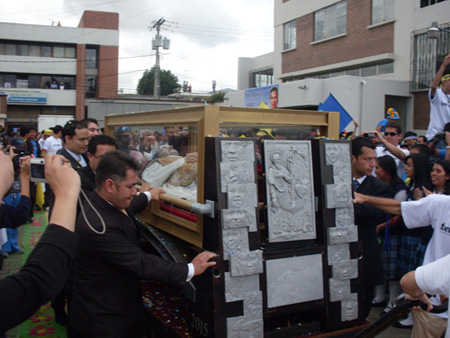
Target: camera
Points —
{"points": [[37, 170], [370, 136]]}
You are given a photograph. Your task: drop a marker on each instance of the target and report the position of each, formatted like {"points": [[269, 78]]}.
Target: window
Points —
{"points": [[386, 68], [46, 51], [91, 58], [352, 72], [34, 50], [91, 86], [69, 52], [382, 11], [330, 21], [425, 3], [10, 49], [22, 50], [58, 52], [262, 78], [290, 35], [369, 71]]}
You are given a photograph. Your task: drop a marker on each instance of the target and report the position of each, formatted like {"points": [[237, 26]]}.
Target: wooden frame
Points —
{"points": [[208, 120]]}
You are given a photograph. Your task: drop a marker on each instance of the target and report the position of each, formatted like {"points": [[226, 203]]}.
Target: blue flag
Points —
{"points": [[331, 104]]}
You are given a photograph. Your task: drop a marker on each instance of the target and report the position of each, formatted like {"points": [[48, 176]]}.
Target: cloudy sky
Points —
{"points": [[207, 36]]}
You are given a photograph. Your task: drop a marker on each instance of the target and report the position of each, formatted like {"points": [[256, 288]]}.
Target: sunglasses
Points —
{"points": [[390, 134]]}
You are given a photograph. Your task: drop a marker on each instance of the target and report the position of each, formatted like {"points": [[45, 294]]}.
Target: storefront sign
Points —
{"points": [[22, 119], [25, 97]]}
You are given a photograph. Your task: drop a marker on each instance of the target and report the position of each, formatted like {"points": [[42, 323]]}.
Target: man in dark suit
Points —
{"points": [[75, 137], [367, 217], [109, 261]]}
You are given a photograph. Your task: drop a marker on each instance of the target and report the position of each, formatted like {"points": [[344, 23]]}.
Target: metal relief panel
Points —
{"points": [[235, 241], [339, 289], [349, 308], [294, 280], [338, 253], [237, 287], [237, 151], [240, 327], [340, 234], [290, 192], [237, 172], [239, 218], [344, 216], [345, 270], [338, 196], [242, 196], [245, 264]]}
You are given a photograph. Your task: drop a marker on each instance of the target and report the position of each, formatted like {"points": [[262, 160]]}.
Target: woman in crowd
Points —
{"points": [[440, 177], [414, 241], [391, 230]]}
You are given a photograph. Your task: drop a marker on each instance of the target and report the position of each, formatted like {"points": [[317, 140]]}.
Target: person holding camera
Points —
{"points": [[390, 145], [439, 100], [47, 267]]}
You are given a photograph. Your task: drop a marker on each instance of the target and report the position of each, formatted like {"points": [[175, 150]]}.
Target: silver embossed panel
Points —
{"points": [[345, 270], [340, 234], [294, 280], [344, 216], [241, 327], [339, 289], [290, 192], [239, 218], [349, 308], [238, 172], [235, 241], [338, 196], [338, 253], [237, 287], [242, 196], [246, 263], [237, 151]]}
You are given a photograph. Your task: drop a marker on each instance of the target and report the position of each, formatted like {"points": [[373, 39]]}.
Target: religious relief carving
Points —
{"points": [[338, 253], [237, 172], [340, 234], [246, 263], [339, 289], [345, 270], [235, 241], [338, 196], [240, 327], [237, 151], [237, 287], [239, 218], [294, 280], [344, 216], [349, 308], [242, 196], [290, 193]]}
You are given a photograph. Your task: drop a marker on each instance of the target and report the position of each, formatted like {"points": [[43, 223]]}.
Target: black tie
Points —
{"points": [[356, 184]]}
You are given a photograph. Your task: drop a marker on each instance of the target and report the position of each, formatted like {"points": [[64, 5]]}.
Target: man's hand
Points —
{"points": [[378, 136], [359, 198], [424, 299], [25, 169], [201, 263], [61, 177], [155, 192]]}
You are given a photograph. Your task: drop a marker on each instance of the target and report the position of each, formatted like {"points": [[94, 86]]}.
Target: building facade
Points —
{"points": [[356, 49], [54, 70]]}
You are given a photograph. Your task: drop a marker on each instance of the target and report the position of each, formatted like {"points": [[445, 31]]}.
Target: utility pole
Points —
{"points": [[157, 42]]}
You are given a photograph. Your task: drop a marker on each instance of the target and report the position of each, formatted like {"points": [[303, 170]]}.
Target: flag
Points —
{"points": [[331, 104]]}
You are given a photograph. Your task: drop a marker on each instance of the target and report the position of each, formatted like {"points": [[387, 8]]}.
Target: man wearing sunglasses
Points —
{"points": [[390, 145]]}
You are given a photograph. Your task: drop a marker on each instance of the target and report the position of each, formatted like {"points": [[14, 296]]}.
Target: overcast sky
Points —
{"points": [[207, 36]]}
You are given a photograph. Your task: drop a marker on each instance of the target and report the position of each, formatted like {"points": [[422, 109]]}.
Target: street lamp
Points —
{"points": [[433, 31]]}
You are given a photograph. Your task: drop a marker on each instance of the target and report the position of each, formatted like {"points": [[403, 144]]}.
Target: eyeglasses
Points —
{"points": [[390, 134]]}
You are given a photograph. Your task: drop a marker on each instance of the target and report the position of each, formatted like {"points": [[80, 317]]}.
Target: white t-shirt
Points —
{"points": [[52, 145], [434, 278], [382, 151], [435, 210], [439, 112]]}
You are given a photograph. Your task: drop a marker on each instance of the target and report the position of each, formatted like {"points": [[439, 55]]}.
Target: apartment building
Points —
{"points": [[54, 70], [370, 54]]}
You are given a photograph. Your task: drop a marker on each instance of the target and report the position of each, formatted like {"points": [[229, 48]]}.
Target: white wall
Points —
{"points": [[53, 66]]}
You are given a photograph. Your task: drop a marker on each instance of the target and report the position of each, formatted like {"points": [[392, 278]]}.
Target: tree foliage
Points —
{"points": [[168, 83], [216, 97]]}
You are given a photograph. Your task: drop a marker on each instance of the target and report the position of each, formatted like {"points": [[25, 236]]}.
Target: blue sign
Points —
{"points": [[25, 97]]}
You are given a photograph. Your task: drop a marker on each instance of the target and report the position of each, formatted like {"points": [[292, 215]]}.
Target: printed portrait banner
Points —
{"points": [[259, 97]]}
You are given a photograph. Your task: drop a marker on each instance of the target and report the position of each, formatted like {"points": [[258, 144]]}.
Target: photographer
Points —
{"points": [[46, 269]]}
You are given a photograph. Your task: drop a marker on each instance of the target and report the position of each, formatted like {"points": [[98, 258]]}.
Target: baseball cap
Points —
{"points": [[48, 132], [392, 114]]}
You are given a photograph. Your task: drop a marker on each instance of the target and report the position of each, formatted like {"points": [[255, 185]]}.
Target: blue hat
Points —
{"points": [[15, 130]]}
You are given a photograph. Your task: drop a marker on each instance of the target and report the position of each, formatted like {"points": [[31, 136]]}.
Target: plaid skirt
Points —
{"points": [[389, 257], [411, 253]]}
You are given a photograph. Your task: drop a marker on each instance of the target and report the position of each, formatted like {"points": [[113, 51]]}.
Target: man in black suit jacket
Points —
{"points": [[367, 217], [75, 137], [109, 261]]}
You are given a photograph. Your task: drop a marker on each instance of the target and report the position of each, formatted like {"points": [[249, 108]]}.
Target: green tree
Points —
{"points": [[169, 82]]}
